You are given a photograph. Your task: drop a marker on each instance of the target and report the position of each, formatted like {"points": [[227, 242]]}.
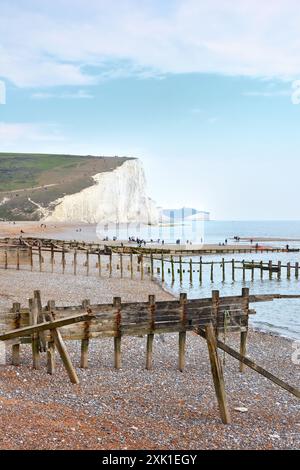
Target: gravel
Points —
{"points": [[133, 408], [160, 409]]}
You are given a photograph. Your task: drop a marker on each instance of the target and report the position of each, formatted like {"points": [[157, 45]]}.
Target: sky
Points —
{"points": [[206, 94]]}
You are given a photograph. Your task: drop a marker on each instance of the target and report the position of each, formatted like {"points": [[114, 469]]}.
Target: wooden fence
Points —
{"points": [[126, 248], [88, 261], [38, 325]]}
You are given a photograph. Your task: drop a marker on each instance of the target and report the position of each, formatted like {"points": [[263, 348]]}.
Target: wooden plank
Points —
{"points": [[16, 347], [150, 336], [33, 309], [182, 334], [51, 344], [248, 362], [117, 338], [28, 330], [217, 373], [244, 334], [40, 319], [84, 358], [63, 352]]}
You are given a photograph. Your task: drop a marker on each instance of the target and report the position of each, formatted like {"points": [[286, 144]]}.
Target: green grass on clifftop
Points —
{"points": [[44, 178]]}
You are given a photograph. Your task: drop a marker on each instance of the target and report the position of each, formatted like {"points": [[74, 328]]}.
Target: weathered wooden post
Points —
{"points": [[261, 270], [33, 318], [215, 299], [243, 344], [200, 270], [180, 269], [191, 271], [182, 334], [63, 352], [84, 359], [121, 265], [150, 336], [87, 262], [40, 258], [18, 259], [117, 337], [131, 266], [288, 270], [151, 265], [217, 373], [5, 259], [51, 344], [252, 270], [270, 267], [142, 267], [99, 263], [212, 272], [279, 270], [40, 319], [244, 270], [16, 347], [31, 258], [223, 269], [162, 269], [52, 258], [172, 270], [233, 269], [63, 258], [297, 270], [110, 264], [75, 261]]}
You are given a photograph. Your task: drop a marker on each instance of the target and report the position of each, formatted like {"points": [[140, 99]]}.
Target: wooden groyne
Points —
{"points": [[88, 261], [132, 248], [47, 328]]}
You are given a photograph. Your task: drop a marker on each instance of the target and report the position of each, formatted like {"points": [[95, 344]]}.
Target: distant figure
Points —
{"points": [[287, 247], [226, 241]]}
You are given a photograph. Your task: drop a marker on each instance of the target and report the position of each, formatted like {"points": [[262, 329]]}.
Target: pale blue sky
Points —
{"points": [[202, 94]]}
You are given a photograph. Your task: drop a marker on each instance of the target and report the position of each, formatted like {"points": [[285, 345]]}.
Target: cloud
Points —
{"points": [[24, 133], [268, 94], [79, 42], [77, 95], [296, 92], [2, 92]]}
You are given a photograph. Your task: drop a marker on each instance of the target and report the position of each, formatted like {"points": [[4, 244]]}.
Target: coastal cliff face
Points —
{"points": [[118, 196]]}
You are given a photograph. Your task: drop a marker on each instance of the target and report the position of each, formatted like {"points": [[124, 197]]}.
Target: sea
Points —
{"points": [[280, 317]]}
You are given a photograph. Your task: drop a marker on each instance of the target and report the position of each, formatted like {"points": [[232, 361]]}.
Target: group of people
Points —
{"points": [[137, 240]]}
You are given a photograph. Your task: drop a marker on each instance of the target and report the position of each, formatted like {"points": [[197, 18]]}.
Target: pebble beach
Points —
{"points": [[160, 409], [133, 408]]}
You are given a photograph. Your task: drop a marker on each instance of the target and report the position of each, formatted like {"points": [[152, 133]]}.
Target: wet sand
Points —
{"points": [[89, 233]]}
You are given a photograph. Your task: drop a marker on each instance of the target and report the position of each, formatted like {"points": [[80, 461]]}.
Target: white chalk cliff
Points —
{"points": [[117, 196]]}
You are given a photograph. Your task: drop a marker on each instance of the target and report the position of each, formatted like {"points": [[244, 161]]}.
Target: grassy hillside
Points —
{"points": [[43, 178]]}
